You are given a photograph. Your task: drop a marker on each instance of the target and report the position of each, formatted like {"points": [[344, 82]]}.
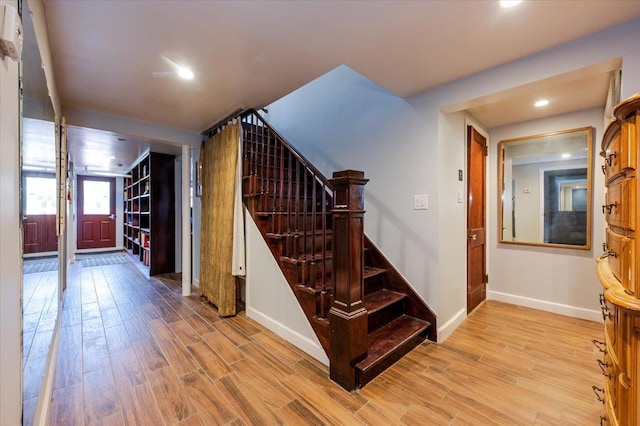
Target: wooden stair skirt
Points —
{"points": [[364, 313]]}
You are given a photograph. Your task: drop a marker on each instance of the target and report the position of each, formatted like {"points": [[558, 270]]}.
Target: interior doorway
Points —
{"points": [[96, 212], [476, 219]]}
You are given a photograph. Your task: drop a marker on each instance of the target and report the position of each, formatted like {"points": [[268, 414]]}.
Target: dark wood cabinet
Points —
{"points": [[149, 206]]}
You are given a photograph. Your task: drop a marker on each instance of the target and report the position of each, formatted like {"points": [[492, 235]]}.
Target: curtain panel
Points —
{"points": [[221, 214]]}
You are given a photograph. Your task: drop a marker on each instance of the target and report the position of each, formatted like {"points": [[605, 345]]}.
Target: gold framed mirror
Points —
{"points": [[546, 189]]}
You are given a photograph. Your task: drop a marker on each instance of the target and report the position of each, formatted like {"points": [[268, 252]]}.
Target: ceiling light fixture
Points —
{"points": [[185, 73], [509, 3], [541, 103], [566, 155]]}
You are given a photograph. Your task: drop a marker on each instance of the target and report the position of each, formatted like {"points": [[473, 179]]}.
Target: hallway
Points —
{"points": [[133, 351]]}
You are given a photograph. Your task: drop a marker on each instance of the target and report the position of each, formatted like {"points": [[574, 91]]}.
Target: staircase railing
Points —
{"points": [[296, 196]]}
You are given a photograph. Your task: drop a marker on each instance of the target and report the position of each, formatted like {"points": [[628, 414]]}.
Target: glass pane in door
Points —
{"points": [[40, 195], [96, 197]]}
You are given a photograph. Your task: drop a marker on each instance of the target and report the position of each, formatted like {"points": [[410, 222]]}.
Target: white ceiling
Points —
{"points": [[110, 56]]}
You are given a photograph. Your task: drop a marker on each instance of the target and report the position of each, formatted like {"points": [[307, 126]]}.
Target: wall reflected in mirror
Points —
{"points": [[40, 284], [546, 189]]}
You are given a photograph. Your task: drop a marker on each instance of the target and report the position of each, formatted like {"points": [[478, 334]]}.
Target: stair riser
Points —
{"points": [[385, 316], [315, 303], [285, 223], [364, 378], [268, 203], [306, 273], [373, 284], [292, 246]]}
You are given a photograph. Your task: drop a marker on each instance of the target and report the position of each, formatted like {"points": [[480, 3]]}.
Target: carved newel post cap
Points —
{"points": [[353, 174], [348, 188]]}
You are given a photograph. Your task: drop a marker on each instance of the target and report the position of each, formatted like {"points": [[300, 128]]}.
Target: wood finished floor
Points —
{"points": [[39, 314], [133, 351]]}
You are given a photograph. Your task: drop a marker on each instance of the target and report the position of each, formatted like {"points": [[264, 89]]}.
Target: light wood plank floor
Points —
{"points": [[39, 314], [133, 351]]}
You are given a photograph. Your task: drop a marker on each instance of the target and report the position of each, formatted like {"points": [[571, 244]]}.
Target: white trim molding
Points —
{"points": [[445, 330], [544, 305], [293, 337]]}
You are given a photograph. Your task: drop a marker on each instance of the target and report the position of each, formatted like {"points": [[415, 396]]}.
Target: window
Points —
{"points": [[41, 195], [96, 197]]}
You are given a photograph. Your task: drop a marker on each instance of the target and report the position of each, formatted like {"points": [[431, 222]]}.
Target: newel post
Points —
{"points": [[348, 337]]}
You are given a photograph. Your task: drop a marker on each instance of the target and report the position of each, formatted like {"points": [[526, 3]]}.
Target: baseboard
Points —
{"points": [[290, 335], [445, 330], [41, 254], [46, 388], [544, 305], [100, 250]]}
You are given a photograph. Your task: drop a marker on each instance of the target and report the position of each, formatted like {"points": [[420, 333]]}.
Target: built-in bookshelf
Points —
{"points": [[149, 204]]}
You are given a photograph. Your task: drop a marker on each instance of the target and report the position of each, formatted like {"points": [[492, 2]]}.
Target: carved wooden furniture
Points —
{"points": [[618, 269]]}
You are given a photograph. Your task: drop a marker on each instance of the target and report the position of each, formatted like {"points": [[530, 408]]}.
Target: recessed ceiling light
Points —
{"points": [[541, 103], [566, 155], [185, 73], [509, 3]]}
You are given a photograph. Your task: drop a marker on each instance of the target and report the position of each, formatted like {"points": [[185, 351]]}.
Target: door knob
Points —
{"points": [[473, 237], [112, 216]]}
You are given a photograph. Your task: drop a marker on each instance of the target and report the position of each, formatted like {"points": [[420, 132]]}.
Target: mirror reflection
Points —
{"points": [[546, 189], [40, 285]]}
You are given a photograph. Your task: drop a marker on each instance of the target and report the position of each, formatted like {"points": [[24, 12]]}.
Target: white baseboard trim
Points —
{"points": [[41, 254], [290, 335], [544, 305], [46, 388], [196, 282], [445, 330]]}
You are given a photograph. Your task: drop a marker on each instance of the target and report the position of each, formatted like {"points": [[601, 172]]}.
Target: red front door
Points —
{"points": [[96, 212], [39, 220]]}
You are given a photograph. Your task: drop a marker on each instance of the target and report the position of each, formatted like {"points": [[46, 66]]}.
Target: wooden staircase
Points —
{"points": [[293, 205]]}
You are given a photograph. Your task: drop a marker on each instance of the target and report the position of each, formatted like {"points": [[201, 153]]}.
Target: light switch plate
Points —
{"points": [[420, 202]]}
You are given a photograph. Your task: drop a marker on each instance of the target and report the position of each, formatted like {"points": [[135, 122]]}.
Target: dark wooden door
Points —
{"points": [[96, 212], [476, 230], [39, 220], [40, 233]]}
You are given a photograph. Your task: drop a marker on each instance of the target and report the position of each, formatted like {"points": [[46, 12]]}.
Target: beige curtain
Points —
{"points": [[219, 159]]}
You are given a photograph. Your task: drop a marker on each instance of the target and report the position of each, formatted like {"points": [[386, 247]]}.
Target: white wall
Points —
{"points": [[269, 299], [557, 280], [10, 243], [342, 121], [620, 41]]}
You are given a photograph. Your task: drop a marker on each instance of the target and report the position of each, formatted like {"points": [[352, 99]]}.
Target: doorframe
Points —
{"points": [[469, 121]]}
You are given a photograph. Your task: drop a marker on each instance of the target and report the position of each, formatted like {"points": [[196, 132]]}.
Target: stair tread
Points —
{"points": [[307, 258], [384, 341], [278, 235], [300, 213], [380, 299], [371, 271]]}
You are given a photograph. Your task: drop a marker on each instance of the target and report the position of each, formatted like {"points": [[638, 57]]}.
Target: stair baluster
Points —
{"points": [[366, 317]]}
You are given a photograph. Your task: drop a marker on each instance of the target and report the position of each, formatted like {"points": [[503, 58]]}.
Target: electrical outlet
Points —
{"points": [[420, 202]]}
